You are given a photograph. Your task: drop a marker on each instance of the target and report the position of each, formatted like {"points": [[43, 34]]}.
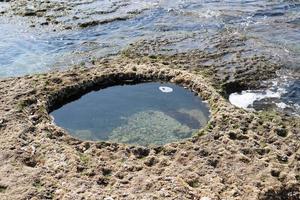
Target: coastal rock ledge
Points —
{"points": [[237, 155]]}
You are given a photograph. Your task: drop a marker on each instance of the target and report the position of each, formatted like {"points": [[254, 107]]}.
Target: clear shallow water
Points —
{"points": [[271, 28], [141, 114]]}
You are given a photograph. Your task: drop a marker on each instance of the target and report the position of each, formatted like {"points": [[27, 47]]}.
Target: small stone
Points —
{"points": [[2, 123], [282, 158]]}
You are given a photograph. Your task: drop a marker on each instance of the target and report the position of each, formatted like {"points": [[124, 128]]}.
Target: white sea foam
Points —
{"points": [[281, 105], [247, 98]]}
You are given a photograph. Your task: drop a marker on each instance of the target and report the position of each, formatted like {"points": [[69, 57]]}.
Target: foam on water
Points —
{"points": [[245, 99], [283, 93]]}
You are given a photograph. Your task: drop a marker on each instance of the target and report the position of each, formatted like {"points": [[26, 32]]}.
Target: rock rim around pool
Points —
{"points": [[132, 76], [237, 155]]}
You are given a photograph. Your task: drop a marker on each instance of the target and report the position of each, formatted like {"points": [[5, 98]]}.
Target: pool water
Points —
{"points": [[143, 114]]}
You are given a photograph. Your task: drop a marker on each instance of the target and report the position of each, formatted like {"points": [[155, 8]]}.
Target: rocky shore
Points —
{"points": [[238, 155]]}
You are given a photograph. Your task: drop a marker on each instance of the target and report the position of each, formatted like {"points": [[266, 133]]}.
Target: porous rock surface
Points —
{"points": [[238, 155]]}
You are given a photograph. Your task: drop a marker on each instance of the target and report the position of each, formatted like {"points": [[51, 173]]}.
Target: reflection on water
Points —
{"points": [[135, 114]]}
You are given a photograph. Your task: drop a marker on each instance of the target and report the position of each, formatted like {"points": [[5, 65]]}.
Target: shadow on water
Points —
{"points": [[184, 118]]}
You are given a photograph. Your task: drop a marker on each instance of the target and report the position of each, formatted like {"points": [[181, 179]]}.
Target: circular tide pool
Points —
{"points": [[144, 114]]}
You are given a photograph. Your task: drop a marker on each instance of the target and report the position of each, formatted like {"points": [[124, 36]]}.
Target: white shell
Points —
{"points": [[165, 89]]}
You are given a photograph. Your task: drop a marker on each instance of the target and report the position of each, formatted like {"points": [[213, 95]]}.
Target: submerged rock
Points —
{"points": [[150, 127]]}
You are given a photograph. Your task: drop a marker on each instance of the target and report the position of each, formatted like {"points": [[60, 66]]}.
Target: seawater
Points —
{"points": [[141, 114], [270, 28]]}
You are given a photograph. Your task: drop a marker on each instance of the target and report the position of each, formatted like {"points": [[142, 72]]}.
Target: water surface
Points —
{"points": [[136, 114]]}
